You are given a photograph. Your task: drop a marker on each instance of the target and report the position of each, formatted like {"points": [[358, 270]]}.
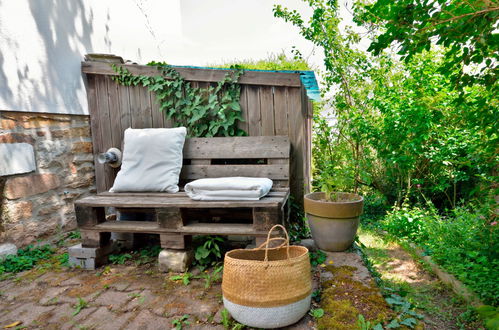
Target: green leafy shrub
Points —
{"points": [[273, 62], [26, 258], [208, 251], [317, 257], [409, 222], [120, 259], [465, 243]]}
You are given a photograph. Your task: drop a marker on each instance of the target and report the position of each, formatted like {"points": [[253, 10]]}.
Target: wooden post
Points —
{"points": [[88, 216], [169, 218], [265, 217], [175, 241]]}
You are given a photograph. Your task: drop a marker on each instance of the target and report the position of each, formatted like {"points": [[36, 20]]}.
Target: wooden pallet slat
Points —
{"points": [[248, 147], [182, 202], [277, 172], [194, 228]]}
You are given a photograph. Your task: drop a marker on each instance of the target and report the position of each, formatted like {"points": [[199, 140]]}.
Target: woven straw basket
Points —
{"points": [[267, 287]]}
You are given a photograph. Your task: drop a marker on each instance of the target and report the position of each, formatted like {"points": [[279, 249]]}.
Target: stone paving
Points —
{"points": [[116, 297], [121, 297]]}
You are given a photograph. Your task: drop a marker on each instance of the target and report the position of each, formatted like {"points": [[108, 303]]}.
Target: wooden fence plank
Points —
{"points": [[267, 110], [124, 104], [204, 75], [281, 111], [158, 120], [114, 112], [254, 118], [100, 183], [136, 119], [145, 107], [296, 135], [243, 101], [105, 125]]}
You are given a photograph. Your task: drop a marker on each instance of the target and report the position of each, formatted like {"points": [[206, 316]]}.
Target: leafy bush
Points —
{"points": [[208, 251], [26, 258], [465, 243], [409, 222], [272, 62]]}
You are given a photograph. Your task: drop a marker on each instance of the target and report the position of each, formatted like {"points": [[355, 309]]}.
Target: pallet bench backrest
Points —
{"points": [[251, 156]]}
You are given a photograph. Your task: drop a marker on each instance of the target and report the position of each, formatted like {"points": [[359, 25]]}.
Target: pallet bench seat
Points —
{"points": [[177, 218]]}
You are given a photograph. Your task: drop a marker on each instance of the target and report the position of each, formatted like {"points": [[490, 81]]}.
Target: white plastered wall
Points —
{"points": [[43, 42]]}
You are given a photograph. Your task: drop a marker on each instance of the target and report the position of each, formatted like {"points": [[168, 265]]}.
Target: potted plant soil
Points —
{"points": [[333, 218]]}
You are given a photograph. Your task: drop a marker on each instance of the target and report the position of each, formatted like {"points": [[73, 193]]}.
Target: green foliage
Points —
{"points": [[297, 227], [210, 278], [468, 30], [409, 222], [362, 324], [120, 259], [465, 243], [225, 318], [75, 234], [147, 254], [208, 251], [272, 62], [185, 278], [205, 112], [395, 127], [79, 306], [26, 258], [490, 316], [317, 258], [180, 322], [316, 295], [228, 322], [144, 255], [316, 313]]}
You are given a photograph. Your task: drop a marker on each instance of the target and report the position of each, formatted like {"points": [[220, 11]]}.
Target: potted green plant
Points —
{"points": [[333, 218]]}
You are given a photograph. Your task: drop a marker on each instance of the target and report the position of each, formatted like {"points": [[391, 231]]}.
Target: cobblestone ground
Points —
{"points": [[131, 296], [112, 297]]}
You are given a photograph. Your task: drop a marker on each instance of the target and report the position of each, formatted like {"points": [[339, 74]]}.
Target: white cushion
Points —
{"points": [[152, 160]]}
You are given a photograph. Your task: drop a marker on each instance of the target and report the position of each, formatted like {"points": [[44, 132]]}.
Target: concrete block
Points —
{"points": [[88, 263], [85, 252], [90, 258], [175, 260], [16, 158], [6, 250]]}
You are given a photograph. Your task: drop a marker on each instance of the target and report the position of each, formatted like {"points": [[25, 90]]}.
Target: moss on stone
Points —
{"points": [[344, 299]]}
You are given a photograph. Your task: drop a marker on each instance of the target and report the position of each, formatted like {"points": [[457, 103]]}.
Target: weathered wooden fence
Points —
{"points": [[273, 103]]}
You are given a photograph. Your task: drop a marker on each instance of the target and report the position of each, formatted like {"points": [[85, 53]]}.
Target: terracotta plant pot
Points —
{"points": [[333, 223]]}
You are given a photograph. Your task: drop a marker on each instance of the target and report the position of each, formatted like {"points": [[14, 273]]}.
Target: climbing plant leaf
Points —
{"points": [[205, 112]]}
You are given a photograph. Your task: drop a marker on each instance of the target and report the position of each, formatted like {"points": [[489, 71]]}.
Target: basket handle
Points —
{"points": [[273, 239], [269, 239]]}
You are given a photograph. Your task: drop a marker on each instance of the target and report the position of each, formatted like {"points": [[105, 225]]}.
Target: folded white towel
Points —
{"points": [[232, 188]]}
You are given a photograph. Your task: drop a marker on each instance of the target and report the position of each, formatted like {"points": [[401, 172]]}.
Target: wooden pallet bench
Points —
{"points": [[177, 218]]}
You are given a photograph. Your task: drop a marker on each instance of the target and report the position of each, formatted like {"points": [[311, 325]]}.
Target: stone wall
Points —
{"points": [[40, 203]]}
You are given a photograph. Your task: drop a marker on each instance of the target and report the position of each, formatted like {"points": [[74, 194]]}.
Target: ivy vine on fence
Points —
{"points": [[205, 112]]}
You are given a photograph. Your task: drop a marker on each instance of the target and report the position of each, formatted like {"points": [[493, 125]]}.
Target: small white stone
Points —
{"points": [[175, 260], [7, 249]]}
